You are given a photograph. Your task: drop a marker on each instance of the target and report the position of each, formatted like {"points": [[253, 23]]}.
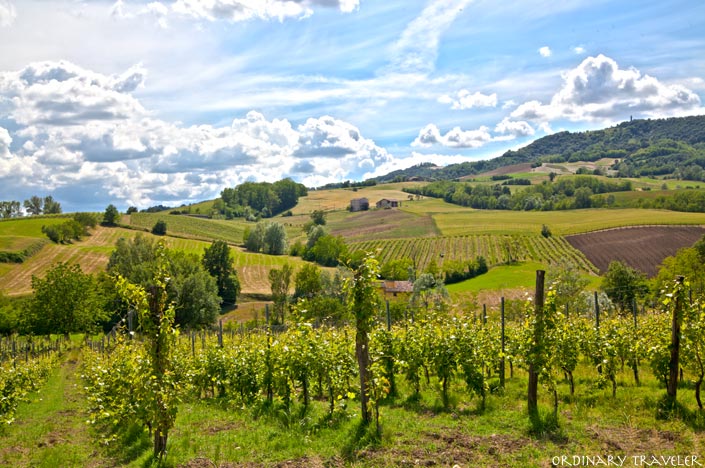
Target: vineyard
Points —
{"points": [[25, 364], [304, 380], [497, 249]]}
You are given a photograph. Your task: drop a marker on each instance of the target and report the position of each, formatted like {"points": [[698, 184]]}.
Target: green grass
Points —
{"points": [[50, 430], [189, 226], [519, 275], [419, 431]]}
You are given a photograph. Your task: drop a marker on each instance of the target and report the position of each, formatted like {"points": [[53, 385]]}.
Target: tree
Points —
{"points": [[111, 215], [327, 251], [280, 281], [64, 302], [51, 206], [583, 197], [318, 217], [159, 228], [131, 209], [197, 298], [569, 284], [307, 283], [545, 231], [429, 291], [195, 304], [623, 284], [397, 269], [219, 264], [10, 209], [34, 205], [275, 242]]}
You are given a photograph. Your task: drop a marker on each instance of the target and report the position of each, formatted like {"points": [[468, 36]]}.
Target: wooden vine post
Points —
{"points": [[676, 322], [537, 345]]}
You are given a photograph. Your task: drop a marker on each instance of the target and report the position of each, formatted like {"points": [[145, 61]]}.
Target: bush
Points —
{"points": [[159, 228], [545, 231]]}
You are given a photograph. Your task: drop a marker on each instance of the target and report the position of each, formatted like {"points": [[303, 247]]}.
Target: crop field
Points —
{"points": [[192, 227], [384, 224], [496, 249], [469, 221], [643, 248]]}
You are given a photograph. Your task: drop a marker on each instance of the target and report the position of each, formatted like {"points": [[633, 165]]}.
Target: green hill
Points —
{"points": [[673, 148]]}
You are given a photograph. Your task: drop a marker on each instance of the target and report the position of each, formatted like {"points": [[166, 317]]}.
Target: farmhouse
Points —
{"points": [[394, 288], [359, 204], [387, 203]]}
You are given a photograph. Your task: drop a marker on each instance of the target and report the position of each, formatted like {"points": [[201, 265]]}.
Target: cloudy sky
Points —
{"points": [[138, 103]]}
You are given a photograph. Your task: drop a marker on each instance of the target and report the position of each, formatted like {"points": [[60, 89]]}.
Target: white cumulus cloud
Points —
{"points": [[545, 51], [83, 134], [599, 90], [430, 135], [464, 99], [515, 128], [8, 13]]}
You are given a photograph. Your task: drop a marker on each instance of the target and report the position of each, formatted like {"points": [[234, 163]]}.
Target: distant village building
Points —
{"points": [[394, 288], [359, 204], [388, 203]]}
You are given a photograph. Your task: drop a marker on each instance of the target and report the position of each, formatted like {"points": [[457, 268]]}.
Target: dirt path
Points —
{"points": [[50, 430]]}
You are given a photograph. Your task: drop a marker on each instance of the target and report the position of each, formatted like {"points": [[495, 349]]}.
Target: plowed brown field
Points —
{"points": [[641, 247]]}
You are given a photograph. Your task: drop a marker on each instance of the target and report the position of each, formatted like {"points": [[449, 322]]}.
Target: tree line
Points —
{"points": [[35, 205], [254, 200], [562, 194]]}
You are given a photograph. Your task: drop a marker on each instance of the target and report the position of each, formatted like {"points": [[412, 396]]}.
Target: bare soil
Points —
{"points": [[643, 247]]}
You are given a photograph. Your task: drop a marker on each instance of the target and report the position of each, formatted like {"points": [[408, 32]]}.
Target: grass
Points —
{"points": [[415, 430], [518, 275], [50, 431]]}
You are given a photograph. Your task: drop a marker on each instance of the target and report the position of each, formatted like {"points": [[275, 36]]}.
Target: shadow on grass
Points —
{"points": [[132, 443], [361, 436], [667, 409], [546, 427]]}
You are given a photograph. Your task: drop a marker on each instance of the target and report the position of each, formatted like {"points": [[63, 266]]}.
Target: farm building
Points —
{"points": [[359, 204], [388, 203], [394, 288]]}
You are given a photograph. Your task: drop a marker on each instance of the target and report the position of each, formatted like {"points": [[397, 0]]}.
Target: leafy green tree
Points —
{"points": [[583, 197], [111, 215], [87, 220], [397, 269], [136, 259], [219, 264], [195, 304], [159, 228], [275, 242], [51, 206], [318, 217], [623, 284], [131, 209], [10, 209], [64, 301], [34, 205], [327, 251], [429, 292], [307, 282], [565, 278], [280, 282]]}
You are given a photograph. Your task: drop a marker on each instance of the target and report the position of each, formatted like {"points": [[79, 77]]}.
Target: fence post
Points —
{"points": [[501, 362], [676, 321], [389, 317], [532, 393], [220, 333], [484, 314]]}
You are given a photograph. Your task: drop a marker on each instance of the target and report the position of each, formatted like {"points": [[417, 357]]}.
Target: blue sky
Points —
{"points": [[139, 103]]}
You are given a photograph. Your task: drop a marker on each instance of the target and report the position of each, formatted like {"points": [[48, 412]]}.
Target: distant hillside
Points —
{"points": [[672, 148]]}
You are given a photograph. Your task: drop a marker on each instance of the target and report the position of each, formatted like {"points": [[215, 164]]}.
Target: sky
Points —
{"points": [[139, 103]]}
